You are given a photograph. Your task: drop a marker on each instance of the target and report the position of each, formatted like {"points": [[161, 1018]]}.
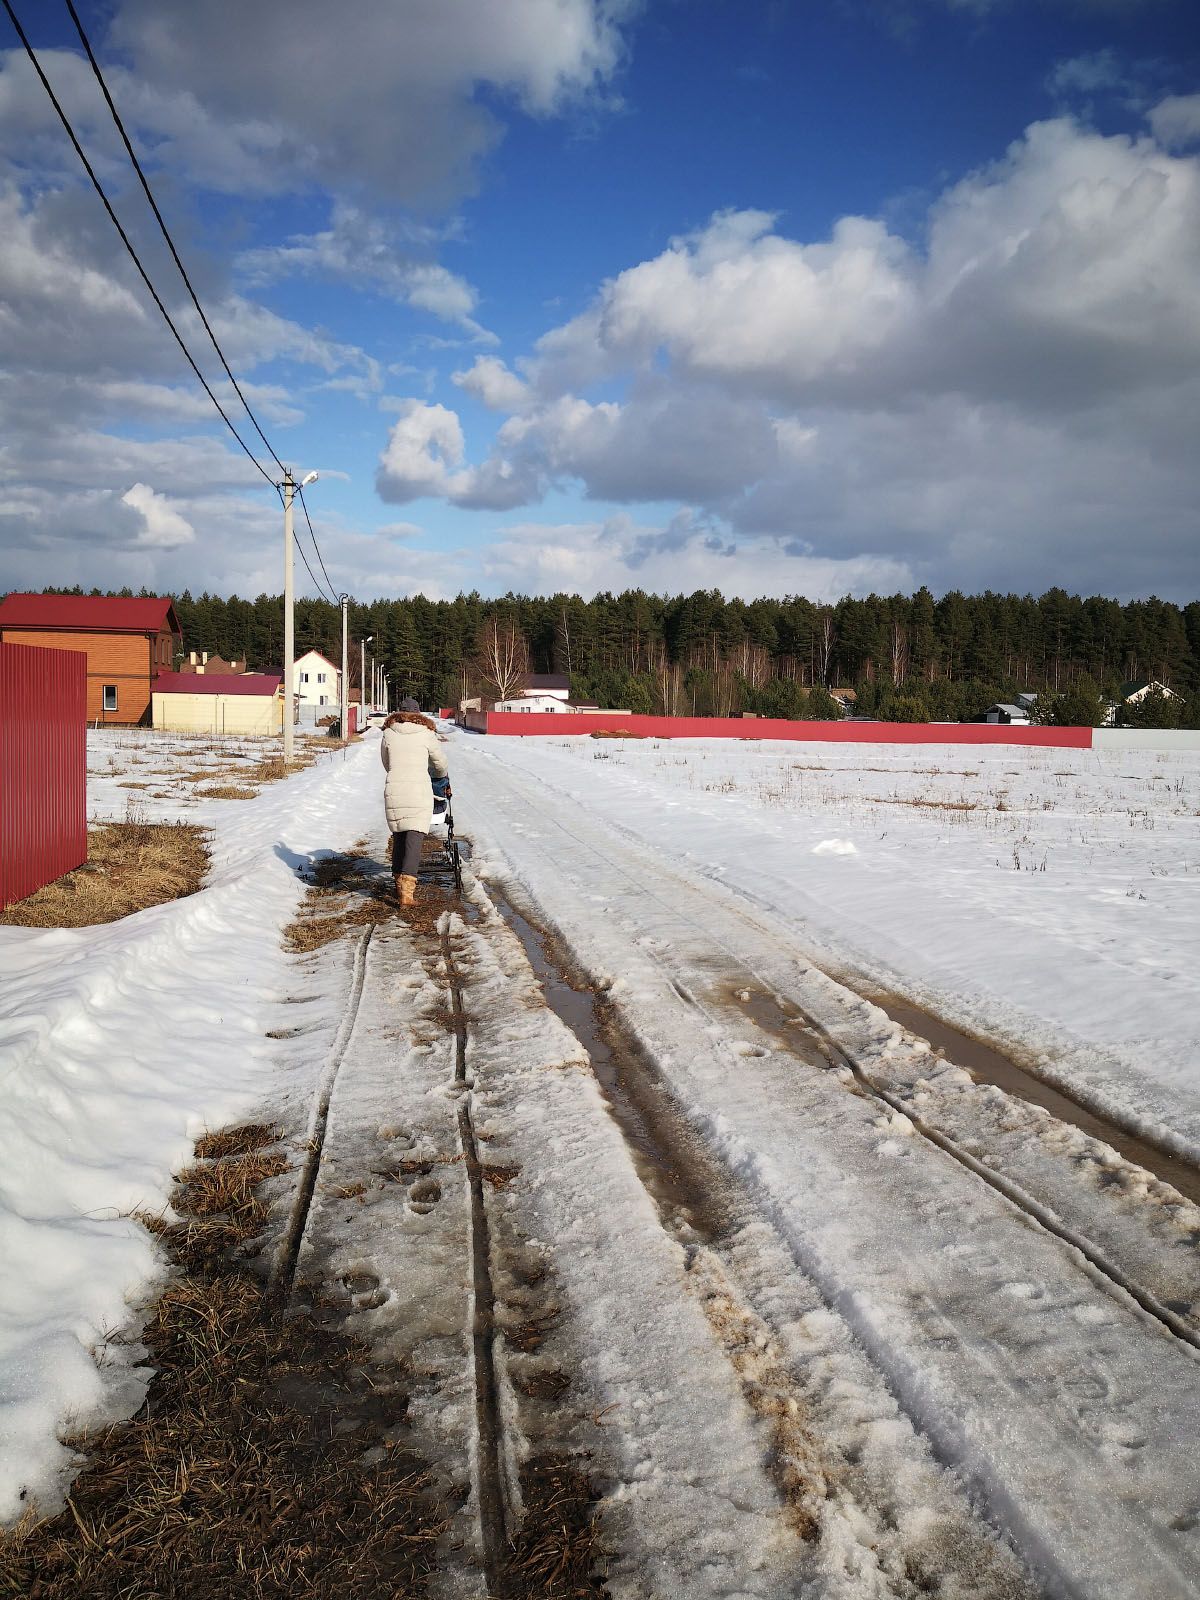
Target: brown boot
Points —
{"points": [[406, 888]]}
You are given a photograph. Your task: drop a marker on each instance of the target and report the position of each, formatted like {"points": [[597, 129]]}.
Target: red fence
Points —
{"points": [[558, 723], [43, 766]]}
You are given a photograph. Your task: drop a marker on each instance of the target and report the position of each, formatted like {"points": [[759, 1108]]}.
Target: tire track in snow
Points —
{"points": [[283, 1274], [1103, 1271], [1097, 1262], [489, 1476], [704, 1207], [1082, 1420]]}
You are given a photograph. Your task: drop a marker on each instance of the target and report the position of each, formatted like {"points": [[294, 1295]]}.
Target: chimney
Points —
{"points": [[191, 658]]}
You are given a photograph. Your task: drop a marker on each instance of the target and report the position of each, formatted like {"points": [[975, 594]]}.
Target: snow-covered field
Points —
{"points": [[1047, 899]]}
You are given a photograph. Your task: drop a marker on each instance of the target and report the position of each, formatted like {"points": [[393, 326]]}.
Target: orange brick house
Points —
{"points": [[127, 643]]}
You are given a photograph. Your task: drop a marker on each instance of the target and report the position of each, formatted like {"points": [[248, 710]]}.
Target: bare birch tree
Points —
{"points": [[752, 662], [668, 683], [824, 638], [899, 646], [502, 656]]}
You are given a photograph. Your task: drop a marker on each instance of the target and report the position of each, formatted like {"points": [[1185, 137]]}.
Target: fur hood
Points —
{"points": [[398, 717]]}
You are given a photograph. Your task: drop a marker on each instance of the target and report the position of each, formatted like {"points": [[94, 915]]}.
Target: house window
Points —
{"points": [[110, 697], [320, 677], [304, 677]]}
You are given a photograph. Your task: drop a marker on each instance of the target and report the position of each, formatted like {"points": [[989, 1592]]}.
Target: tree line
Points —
{"points": [[906, 657]]}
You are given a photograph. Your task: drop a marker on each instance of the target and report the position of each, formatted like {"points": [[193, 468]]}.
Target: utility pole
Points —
{"points": [[288, 489], [362, 679], [345, 697], [289, 635]]}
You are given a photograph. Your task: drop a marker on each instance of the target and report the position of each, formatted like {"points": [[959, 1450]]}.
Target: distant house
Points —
{"points": [[533, 701], [193, 702], [1005, 712], [215, 664], [846, 698], [1135, 691], [555, 684], [539, 691], [128, 644], [1131, 693], [317, 681]]}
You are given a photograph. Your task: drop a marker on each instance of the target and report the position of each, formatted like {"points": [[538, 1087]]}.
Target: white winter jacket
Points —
{"points": [[411, 754]]}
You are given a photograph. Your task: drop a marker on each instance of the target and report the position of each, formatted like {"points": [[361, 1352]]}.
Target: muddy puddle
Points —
{"points": [[667, 1156], [982, 1060], [987, 1064]]}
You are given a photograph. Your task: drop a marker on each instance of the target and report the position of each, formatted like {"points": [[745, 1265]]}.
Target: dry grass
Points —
{"points": [[922, 805], [227, 1185], [615, 733], [226, 791], [344, 896], [556, 1550], [315, 927], [131, 865], [251, 1136], [235, 1478]]}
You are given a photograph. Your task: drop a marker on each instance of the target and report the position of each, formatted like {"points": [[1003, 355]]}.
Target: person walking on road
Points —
{"points": [[412, 756]]}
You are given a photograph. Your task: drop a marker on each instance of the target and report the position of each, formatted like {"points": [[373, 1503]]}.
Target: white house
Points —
{"points": [[547, 685], [317, 681], [1132, 693], [530, 701]]}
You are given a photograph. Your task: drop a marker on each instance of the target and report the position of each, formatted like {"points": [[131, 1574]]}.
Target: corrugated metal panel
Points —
{"points": [[43, 766], [557, 723]]}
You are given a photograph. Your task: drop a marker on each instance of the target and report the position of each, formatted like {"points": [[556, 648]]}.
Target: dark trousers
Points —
{"points": [[406, 853]]}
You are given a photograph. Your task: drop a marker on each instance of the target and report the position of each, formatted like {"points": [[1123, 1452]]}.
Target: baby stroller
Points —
{"points": [[443, 823]]}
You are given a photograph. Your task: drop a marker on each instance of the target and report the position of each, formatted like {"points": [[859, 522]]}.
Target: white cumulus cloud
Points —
{"points": [[998, 405], [162, 527]]}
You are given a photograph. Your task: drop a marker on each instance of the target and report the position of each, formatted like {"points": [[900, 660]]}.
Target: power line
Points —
{"points": [[316, 582], [125, 240], [313, 536], [158, 216]]}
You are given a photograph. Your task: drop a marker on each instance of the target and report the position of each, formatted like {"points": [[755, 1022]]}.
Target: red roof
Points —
{"points": [[88, 613], [217, 683]]}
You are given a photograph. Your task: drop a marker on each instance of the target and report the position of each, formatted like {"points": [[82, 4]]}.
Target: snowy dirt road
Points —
{"points": [[549, 1297], [683, 1270], [1012, 1306]]}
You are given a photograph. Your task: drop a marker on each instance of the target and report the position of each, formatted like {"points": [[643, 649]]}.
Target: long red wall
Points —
{"points": [[543, 723]]}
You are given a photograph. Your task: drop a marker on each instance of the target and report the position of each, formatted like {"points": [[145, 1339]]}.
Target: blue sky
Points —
{"points": [[832, 297]]}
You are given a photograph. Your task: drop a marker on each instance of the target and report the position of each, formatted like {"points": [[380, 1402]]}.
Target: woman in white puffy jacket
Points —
{"points": [[411, 756]]}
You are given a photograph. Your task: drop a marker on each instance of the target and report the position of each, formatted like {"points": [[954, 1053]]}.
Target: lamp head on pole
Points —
{"points": [[309, 477]]}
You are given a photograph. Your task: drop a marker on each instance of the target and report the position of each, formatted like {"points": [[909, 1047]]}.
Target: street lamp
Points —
{"points": [[288, 487], [344, 696]]}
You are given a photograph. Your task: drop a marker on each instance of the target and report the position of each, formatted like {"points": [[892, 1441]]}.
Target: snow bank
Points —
{"points": [[120, 1045]]}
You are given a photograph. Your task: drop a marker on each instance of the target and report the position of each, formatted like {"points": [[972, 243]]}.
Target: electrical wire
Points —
{"points": [[125, 240], [96, 184], [158, 217], [316, 582], [317, 548]]}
